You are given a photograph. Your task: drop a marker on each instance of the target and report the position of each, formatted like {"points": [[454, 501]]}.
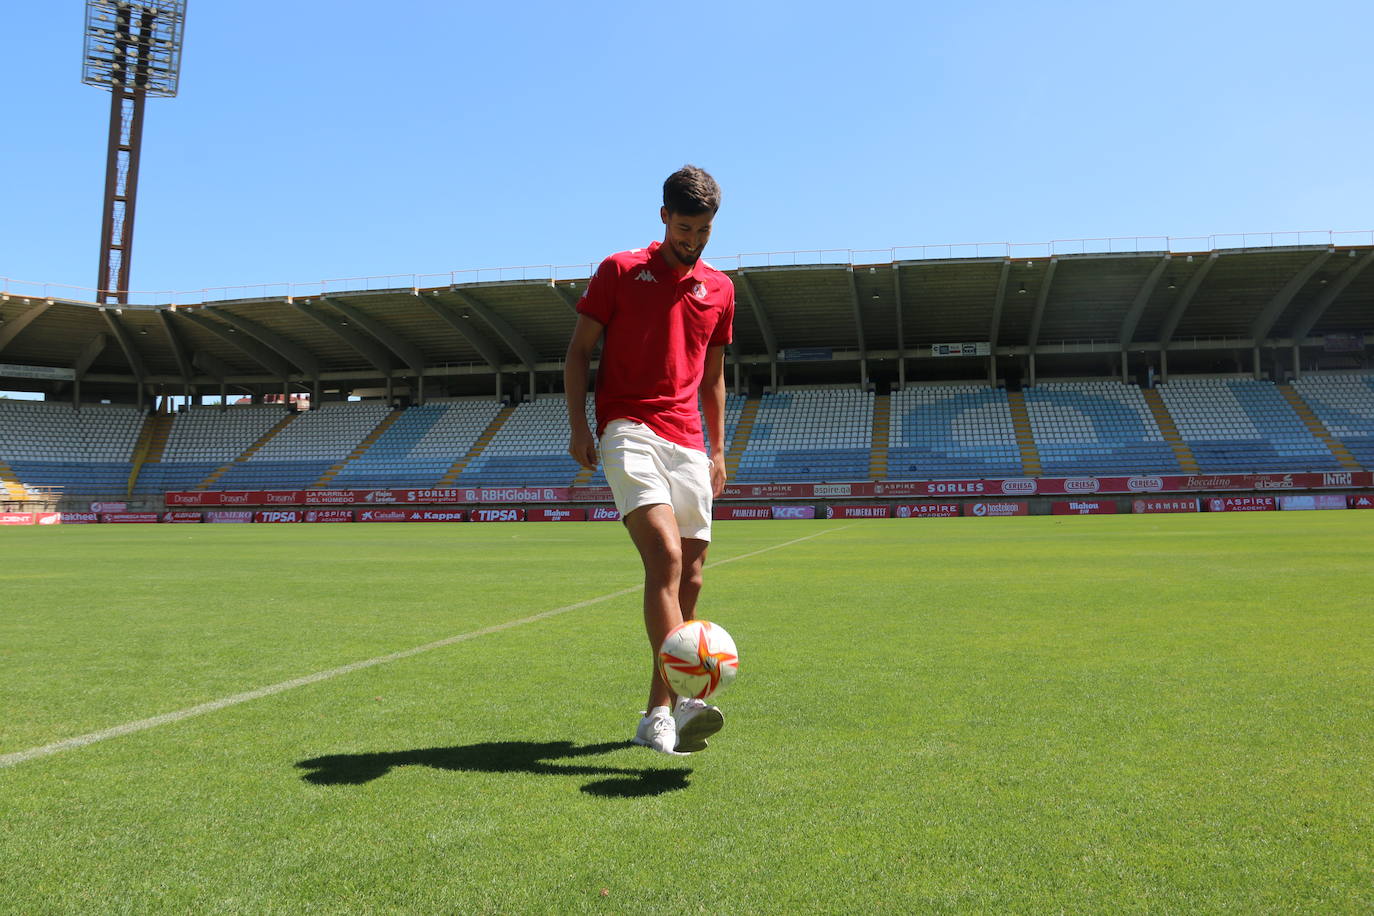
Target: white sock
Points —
{"points": [[655, 711]]}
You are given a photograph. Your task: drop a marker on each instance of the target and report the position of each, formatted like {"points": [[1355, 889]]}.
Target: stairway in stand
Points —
{"points": [[151, 444], [1025, 440], [451, 476], [368, 441], [1318, 428], [1182, 452], [10, 487], [743, 428], [249, 451], [882, 420]]}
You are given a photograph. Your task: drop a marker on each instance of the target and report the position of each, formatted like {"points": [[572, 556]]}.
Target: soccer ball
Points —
{"points": [[698, 658]]}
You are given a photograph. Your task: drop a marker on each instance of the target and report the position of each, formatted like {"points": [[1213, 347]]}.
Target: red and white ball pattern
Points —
{"points": [[698, 658]]}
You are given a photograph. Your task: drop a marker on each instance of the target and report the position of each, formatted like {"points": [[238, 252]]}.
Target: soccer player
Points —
{"points": [[663, 316]]}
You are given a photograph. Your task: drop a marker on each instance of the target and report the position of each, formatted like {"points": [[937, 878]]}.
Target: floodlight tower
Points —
{"points": [[133, 48]]}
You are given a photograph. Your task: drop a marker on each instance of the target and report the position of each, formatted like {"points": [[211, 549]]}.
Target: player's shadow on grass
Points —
{"points": [[534, 757]]}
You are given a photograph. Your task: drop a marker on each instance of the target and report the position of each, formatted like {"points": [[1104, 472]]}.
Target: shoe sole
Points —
{"points": [[692, 737]]}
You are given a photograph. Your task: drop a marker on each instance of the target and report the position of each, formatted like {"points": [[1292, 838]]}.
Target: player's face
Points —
{"points": [[686, 236]]}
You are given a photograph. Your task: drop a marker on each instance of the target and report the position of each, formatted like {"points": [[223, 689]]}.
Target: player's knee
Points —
{"points": [[692, 578], [663, 561]]}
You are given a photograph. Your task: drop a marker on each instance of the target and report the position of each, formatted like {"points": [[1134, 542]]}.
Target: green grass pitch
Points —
{"points": [[1166, 714]]}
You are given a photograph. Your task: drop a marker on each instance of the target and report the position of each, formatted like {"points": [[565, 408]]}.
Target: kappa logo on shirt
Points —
{"points": [[646, 275], [699, 290]]}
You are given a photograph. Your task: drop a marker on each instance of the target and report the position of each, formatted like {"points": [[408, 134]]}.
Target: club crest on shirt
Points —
{"points": [[699, 290]]}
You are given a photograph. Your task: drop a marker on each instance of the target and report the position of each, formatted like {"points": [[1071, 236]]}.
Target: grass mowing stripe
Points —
{"points": [[129, 728]]}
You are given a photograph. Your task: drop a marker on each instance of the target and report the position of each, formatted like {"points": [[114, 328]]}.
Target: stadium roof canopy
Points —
{"points": [[845, 318]]}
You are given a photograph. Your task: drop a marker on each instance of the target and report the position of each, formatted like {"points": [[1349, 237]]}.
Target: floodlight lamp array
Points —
{"points": [[134, 45]]}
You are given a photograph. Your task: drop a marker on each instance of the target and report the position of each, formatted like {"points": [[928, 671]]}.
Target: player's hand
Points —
{"points": [[582, 447], [718, 475]]}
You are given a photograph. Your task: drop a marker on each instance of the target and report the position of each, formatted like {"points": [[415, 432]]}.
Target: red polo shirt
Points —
{"points": [[658, 328]]}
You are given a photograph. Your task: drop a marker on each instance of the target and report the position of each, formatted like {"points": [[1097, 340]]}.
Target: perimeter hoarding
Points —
{"points": [[1084, 507], [1242, 504], [1311, 501], [412, 515], [856, 511], [737, 513], [881, 490], [997, 508], [928, 510], [1177, 504]]}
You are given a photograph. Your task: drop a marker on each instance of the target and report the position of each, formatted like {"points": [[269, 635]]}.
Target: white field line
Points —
{"points": [[128, 728]]}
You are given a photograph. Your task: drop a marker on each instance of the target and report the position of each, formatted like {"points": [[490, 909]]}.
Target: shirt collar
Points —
{"points": [[698, 271]]}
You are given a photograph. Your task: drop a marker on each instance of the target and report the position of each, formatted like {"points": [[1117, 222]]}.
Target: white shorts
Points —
{"points": [[644, 469]]}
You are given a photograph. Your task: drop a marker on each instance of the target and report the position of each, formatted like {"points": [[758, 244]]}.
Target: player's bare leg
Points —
{"points": [[653, 529], [689, 588], [695, 719]]}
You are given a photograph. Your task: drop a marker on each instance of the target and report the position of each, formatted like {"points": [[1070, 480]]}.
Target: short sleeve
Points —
{"points": [[723, 333], [598, 302]]}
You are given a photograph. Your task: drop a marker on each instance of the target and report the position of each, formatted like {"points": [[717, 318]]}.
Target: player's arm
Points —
{"points": [[713, 406], [577, 367]]}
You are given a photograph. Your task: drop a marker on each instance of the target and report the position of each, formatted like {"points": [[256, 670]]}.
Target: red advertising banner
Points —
{"points": [[928, 510], [1310, 501], [454, 495], [1242, 504], [232, 517], [497, 515], [1178, 504], [48, 518], [80, 518], [412, 515], [16, 518], [856, 511], [328, 515], [997, 509], [332, 497], [733, 513], [603, 514], [1359, 502], [1084, 507], [556, 515], [129, 518], [182, 518], [277, 516], [887, 489], [794, 512]]}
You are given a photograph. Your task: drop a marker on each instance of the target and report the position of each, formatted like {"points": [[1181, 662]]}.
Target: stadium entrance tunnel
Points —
{"points": [[534, 757]]}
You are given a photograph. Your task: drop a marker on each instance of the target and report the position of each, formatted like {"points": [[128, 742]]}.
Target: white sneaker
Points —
{"points": [[696, 720], [657, 730]]}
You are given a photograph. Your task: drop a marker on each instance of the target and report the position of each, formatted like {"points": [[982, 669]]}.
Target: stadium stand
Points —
{"points": [[531, 448], [300, 454], [204, 439], [951, 431], [1242, 425], [1345, 406], [734, 405], [417, 449], [810, 434], [1096, 427], [86, 451], [1228, 424]]}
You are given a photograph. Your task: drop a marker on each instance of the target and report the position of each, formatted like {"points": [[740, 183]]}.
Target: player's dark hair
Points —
{"points": [[691, 191]]}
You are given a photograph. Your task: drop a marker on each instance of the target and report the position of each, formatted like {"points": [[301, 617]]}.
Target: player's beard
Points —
{"points": [[687, 258]]}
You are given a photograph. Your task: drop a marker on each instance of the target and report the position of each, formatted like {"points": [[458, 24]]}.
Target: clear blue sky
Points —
{"points": [[318, 139]]}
